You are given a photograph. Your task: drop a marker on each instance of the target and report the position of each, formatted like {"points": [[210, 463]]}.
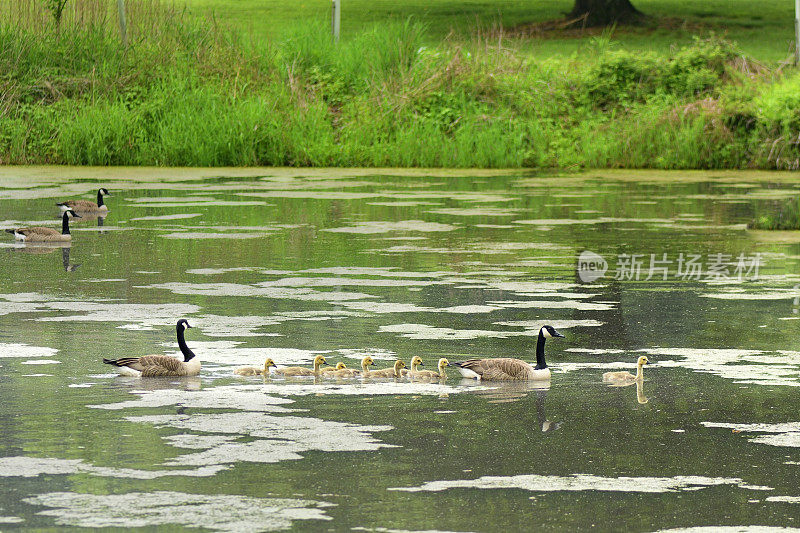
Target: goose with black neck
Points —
{"points": [[42, 234], [510, 369], [161, 365]]}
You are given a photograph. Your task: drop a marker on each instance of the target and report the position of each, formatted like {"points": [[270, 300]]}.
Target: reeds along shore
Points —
{"points": [[189, 92]]}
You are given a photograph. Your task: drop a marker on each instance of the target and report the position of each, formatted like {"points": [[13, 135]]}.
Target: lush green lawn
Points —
{"points": [[763, 29]]}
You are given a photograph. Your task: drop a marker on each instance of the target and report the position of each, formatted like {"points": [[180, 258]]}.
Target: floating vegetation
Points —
{"points": [[166, 508], [584, 482]]}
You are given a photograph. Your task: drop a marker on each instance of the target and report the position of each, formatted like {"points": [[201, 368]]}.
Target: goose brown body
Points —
{"points": [[87, 206], [503, 369], [161, 365], [508, 368], [42, 234]]}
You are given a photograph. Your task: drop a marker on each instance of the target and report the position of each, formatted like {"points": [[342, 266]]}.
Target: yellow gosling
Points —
{"points": [[255, 371], [416, 362], [339, 366], [290, 371], [430, 374], [391, 372], [627, 377], [366, 362]]}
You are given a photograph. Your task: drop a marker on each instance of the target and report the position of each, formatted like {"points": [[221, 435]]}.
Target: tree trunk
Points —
{"points": [[604, 12]]}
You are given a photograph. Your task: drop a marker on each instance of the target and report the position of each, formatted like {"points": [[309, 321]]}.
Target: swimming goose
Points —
{"points": [[40, 234], [161, 365], [508, 369], [86, 205], [339, 366], [366, 362], [300, 370], [391, 372], [627, 377], [416, 361], [344, 373], [255, 371], [430, 374]]}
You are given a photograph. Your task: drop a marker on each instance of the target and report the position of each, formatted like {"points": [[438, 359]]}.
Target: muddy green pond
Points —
{"points": [[294, 264]]}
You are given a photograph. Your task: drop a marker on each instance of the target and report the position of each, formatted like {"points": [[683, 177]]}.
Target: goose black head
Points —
{"points": [[183, 324], [73, 214], [104, 191], [549, 331]]}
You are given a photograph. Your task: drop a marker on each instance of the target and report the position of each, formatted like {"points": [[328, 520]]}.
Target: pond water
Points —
{"points": [[291, 264]]}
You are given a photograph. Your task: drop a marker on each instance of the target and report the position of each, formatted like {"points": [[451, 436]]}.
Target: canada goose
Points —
{"points": [[255, 371], [416, 361], [508, 369], [86, 205], [40, 234], [300, 370], [161, 365], [391, 372], [339, 366], [627, 377], [430, 374]]}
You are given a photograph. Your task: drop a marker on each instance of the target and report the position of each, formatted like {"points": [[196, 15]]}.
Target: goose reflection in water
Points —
{"points": [[515, 391], [68, 267], [188, 383], [640, 397], [42, 248], [99, 217]]}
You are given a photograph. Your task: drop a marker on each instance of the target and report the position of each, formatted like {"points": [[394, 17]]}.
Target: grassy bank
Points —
{"points": [[763, 30], [190, 92]]}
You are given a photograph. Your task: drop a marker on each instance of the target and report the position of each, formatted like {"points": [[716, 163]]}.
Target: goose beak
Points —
{"points": [[557, 334], [76, 215]]}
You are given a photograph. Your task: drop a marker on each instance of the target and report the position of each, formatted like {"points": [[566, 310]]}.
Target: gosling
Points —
{"points": [[255, 371], [416, 362], [626, 377], [291, 371], [391, 372], [430, 374]]}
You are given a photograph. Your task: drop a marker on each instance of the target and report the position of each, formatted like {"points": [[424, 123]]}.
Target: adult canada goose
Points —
{"points": [[300, 370], [40, 234], [627, 377], [430, 374], [509, 369], [161, 365], [391, 372], [86, 205], [254, 370], [416, 362], [339, 366]]}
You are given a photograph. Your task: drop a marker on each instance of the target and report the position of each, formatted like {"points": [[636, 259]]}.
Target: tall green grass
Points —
{"points": [[192, 92]]}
